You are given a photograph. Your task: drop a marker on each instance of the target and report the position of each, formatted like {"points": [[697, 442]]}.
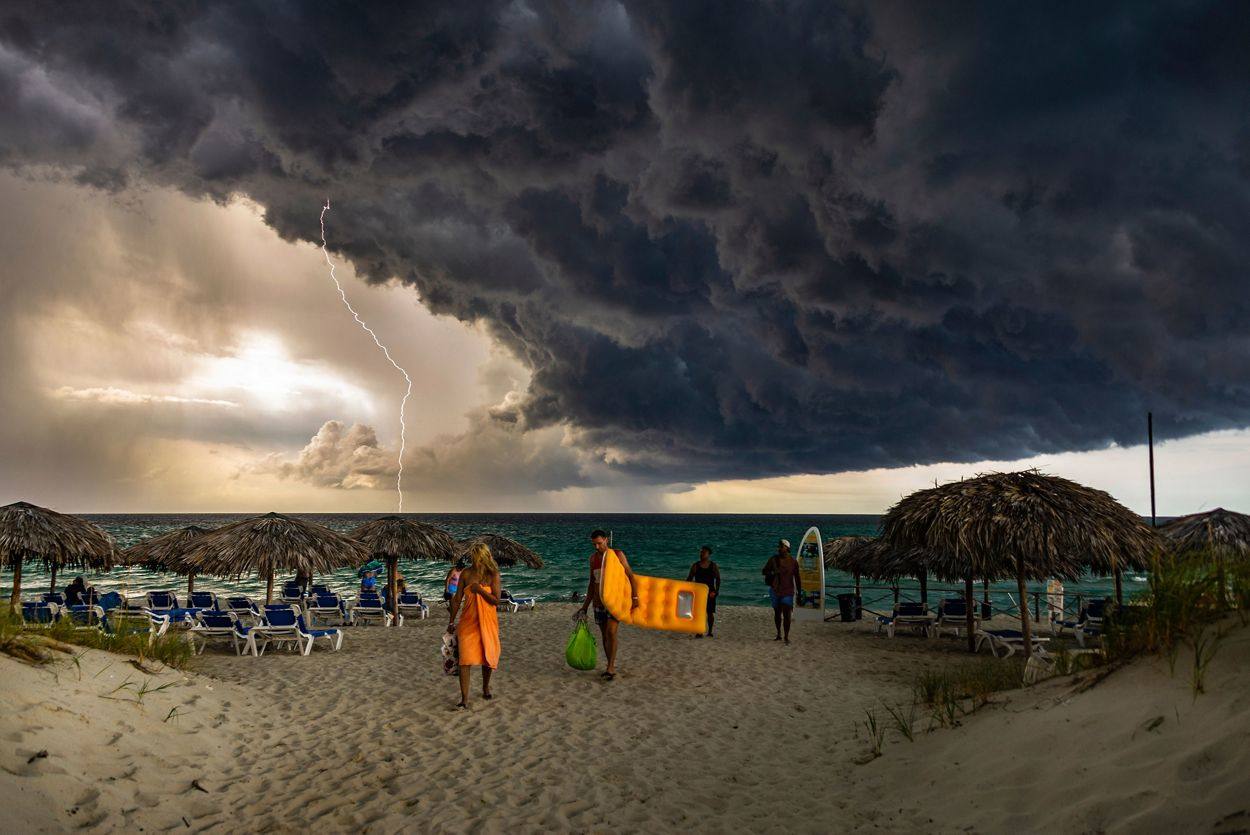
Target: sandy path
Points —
{"points": [[692, 734], [733, 733]]}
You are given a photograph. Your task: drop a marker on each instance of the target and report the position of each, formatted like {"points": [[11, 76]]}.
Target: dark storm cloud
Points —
{"points": [[727, 239]]}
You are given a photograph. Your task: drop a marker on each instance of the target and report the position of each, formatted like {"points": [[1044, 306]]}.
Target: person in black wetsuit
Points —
{"points": [[707, 572]]}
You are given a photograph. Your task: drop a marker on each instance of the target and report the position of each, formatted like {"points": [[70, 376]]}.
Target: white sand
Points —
{"points": [[736, 732]]}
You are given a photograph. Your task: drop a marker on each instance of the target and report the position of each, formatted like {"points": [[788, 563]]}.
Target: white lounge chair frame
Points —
{"points": [[1009, 645]]}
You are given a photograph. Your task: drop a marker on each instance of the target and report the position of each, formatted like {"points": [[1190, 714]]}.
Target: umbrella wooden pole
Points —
{"points": [[15, 601], [190, 583], [985, 597], [1024, 610], [969, 602], [1119, 589], [924, 587], [392, 588], [269, 587], [52, 585], [857, 584]]}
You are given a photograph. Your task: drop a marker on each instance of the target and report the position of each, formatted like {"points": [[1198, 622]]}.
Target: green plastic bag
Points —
{"points": [[582, 652]]}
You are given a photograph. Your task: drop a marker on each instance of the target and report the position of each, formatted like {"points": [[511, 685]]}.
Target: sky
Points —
{"points": [[765, 257]]}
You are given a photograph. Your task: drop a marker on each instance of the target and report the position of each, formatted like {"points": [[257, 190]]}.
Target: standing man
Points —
{"points": [[707, 572], [607, 624], [781, 572]]}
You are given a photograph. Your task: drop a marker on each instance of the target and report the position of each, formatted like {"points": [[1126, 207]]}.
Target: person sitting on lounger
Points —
{"points": [[75, 591], [477, 633], [369, 582]]}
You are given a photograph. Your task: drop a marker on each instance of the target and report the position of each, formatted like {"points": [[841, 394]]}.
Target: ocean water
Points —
{"points": [[656, 544]]}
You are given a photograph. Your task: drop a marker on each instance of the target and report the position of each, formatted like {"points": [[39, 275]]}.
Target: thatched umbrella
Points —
{"points": [[1026, 524], [28, 531], [392, 537], [849, 554], [1219, 534], [267, 544], [507, 552], [167, 552]]}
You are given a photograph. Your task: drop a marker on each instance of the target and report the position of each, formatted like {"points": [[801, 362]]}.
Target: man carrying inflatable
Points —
{"points": [[608, 624]]}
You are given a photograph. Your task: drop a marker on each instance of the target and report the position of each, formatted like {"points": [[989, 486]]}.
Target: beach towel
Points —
{"points": [[477, 633], [582, 652], [451, 654]]}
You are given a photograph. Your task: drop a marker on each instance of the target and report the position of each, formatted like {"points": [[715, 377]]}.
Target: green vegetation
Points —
{"points": [[35, 644], [876, 732], [1186, 604]]}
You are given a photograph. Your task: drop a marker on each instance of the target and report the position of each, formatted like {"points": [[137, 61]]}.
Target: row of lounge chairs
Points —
{"points": [[279, 624], [322, 600], [952, 616]]}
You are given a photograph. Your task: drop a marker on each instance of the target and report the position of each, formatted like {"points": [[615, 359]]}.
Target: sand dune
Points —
{"points": [[699, 735]]}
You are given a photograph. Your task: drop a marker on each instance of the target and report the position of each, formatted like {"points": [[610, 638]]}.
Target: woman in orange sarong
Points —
{"points": [[477, 634]]}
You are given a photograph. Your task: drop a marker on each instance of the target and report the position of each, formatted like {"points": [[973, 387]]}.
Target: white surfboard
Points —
{"points": [[811, 557]]}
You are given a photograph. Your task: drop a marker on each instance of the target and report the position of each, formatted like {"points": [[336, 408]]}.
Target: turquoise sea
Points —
{"points": [[657, 544]]}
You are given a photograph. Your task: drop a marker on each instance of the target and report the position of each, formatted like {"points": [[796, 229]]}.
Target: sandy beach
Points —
{"points": [[693, 735]]}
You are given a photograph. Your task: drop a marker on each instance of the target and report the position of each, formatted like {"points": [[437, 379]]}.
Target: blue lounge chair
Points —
{"points": [[41, 613], [511, 601], [328, 608], [952, 615], [280, 626], [108, 601], [121, 621], [906, 615], [1007, 642], [332, 636], [291, 593], [161, 601], [202, 600], [83, 616], [221, 627], [411, 605], [369, 607], [52, 597], [244, 609], [319, 588], [1088, 622]]}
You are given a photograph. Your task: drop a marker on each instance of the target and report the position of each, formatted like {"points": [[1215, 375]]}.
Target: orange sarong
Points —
{"points": [[477, 634]]}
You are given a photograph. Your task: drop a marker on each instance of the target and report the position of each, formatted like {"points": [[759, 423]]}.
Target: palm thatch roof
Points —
{"points": [[1024, 523], [166, 552], [271, 544], [852, 554], [1221, 532], [394, 537], [30, 532], [507, 552]]}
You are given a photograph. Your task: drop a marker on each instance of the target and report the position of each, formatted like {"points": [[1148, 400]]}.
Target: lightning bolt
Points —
{"points": [[403, 427]]}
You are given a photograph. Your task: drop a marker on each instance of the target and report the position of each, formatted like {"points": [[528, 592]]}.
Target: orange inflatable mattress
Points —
{"points": [[669, 605]]}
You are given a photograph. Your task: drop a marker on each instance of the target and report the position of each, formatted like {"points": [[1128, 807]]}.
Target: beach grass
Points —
{"points": [[35, 644]]}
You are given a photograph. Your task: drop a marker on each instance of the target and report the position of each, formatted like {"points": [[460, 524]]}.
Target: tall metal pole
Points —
{"points": [[1150, 437]]}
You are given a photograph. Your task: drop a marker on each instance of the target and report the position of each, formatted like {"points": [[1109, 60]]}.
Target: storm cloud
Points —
{"points": [[726, 239]]}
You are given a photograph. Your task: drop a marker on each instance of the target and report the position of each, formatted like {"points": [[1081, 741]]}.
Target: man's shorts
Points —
{"points": [[786, 600]]}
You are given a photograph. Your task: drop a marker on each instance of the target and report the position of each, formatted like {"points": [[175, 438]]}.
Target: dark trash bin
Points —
{"points": [[849, 607]]}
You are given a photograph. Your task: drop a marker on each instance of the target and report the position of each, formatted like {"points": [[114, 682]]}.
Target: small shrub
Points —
{"points": [[903, 724], [876, 732]]}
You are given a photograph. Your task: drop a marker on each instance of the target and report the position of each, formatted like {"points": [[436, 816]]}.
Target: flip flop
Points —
{"points": [[609, 676], [488, 695], [462, 706]]}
